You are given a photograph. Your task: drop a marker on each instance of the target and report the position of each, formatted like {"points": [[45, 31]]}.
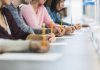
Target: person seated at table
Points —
{"points": [[9, 40], [54, 7], [10, 30], [35, 14], [20, 22], [10, 9], [24, 46]]}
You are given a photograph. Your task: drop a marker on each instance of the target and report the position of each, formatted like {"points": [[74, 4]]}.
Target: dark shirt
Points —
{"points": [[4, 34], [16, 32]]}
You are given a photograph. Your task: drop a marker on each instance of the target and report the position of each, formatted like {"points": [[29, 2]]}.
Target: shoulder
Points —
{"points": [[23, 6], [4, 10]]}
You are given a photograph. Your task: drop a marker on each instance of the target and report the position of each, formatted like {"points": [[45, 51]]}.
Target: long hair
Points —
{"points": [[0, 6], [54, 4], [48, 3], [26, 1]]}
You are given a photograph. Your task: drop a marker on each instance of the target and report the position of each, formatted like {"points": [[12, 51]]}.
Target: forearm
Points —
{"points": [[68, 24], [14, 45], [25, 27]]}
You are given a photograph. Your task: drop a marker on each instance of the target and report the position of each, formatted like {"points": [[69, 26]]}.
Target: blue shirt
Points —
{"points": [[56, 17]]}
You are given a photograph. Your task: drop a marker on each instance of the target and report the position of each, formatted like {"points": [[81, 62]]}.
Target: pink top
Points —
{"points": [[35, 20]]}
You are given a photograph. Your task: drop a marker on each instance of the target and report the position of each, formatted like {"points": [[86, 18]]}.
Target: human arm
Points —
{"points": [[22, 46]]}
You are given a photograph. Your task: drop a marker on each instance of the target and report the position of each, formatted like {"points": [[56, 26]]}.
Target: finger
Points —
{"points": [[59, 30], [63, 31], [52, 40]]}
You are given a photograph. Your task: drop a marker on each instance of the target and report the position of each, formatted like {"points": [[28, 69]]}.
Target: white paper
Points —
{"points": [[30, 56], [58, 44], [65, 37]]}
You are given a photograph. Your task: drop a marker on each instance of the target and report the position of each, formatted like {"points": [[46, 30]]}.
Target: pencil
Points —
{"points": [[44, 37], [51, 25], [61, 25]]}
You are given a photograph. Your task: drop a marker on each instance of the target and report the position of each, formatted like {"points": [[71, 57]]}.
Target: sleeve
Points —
{"points": [[59, 20], [47, 18], [14, 45]]}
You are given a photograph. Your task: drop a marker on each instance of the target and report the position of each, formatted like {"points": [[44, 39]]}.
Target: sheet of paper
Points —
{"points": [[30, 56], [65, 37], [61, 37], [59, 44]]}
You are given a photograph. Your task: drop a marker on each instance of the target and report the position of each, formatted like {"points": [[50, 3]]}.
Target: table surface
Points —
{"points": [[75, 52]]}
